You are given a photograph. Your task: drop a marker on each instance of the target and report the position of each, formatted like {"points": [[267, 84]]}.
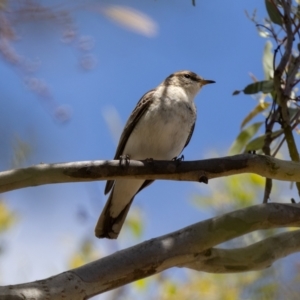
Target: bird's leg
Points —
{"points": [[252, 151], [124, 160], [178, 159]]}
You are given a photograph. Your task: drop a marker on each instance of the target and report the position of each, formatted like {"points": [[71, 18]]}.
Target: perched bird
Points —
{"points": [[160, 127]]}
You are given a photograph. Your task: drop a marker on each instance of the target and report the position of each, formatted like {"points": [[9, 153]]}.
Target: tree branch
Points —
{"points": [[289, 41], [171, 170], [258, 256], [188, 247]]}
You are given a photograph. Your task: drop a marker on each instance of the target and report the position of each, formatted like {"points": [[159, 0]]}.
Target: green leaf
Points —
{"points": [[273, 12], [258, 143], [236, 92], [263, 32], [258, 109], [141, 284], [7, 217], [268, 61], [292, 111], [243, 138], [134, 223], [265, 86]]}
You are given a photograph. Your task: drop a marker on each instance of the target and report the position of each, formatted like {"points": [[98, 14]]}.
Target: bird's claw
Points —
{"points": [[179, 159], [251, 151]]}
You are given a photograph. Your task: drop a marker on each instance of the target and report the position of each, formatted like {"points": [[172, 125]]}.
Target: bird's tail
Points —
{"points": [[108, 226]]}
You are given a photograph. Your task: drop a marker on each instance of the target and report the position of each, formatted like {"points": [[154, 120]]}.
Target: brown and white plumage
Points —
{"points": [[160, 126]]}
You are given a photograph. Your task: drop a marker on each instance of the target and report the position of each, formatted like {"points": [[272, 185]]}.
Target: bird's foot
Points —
{"points": [[124, 160], [251, 151], [178, 159]]}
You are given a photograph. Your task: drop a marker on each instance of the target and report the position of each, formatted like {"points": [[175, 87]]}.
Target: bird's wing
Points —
{"points": [[137, 113], [190, 135]]}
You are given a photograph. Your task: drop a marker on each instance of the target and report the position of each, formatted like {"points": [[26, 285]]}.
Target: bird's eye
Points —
{"points": [[187, 75]]}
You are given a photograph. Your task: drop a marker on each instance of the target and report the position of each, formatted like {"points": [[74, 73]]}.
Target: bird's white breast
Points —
{"points": [[163, 130]]}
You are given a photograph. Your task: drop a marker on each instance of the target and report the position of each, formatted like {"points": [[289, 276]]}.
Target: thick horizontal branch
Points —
{"points": [[199, 170], [181, 248]]}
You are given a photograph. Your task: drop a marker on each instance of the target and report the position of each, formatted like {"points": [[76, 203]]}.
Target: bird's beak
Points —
{"points": [[204, 82]]}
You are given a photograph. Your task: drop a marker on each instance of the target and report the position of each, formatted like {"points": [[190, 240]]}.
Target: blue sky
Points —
{"points": [[214, 39]]}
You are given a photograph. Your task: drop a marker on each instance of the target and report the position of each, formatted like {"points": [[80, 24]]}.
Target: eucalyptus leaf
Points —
{"points": [[258, 109], [265, 86], [244, 136], [263, 32], [268, 61], [273, 12], [258, 143], [236, 92], [293, 111]]}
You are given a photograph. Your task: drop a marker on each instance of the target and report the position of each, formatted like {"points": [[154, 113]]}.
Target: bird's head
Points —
{"points": [[188, 80]]}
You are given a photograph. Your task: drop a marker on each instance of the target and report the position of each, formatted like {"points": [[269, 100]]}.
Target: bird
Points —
{"points": [[159, 128]]}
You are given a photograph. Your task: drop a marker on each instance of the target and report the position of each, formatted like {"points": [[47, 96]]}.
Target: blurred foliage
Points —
{"points": [[131, 19], [86, 253], [21, 152], [213, 287], [134, 223], [7, 217], [243, 138], [233, 192], [142, 284], [257, 109], [88, 249]]}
